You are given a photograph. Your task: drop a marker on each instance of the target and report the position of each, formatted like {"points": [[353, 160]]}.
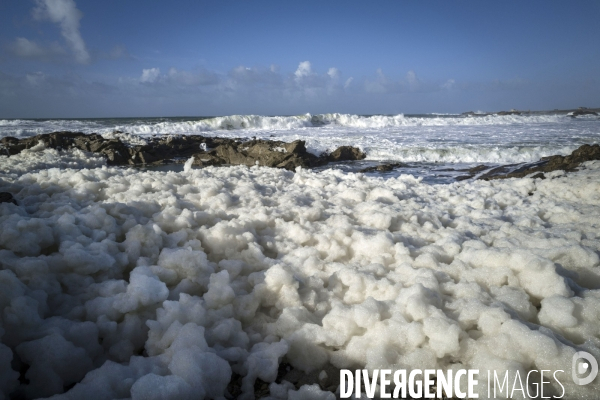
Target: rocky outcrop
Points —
{"points": [[261, 152], [205, 150], [383, 167], [511, 112], [578, 113], [546, 164], [471, 172], [346, 153], [115, 151]]}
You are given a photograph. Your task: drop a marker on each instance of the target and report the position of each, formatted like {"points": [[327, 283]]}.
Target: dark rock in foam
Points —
{"points": [[346, 153], [206, 150], [580, 112], [546, 164], [260, 152], [383, 167]]}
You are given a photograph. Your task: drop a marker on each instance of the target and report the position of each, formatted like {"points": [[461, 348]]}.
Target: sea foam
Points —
{"points": [[145, 284]]}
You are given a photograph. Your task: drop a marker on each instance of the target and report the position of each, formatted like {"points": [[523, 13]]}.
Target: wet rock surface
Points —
{"points": [[172, 149], [346, 153], [261, 152], [511, 112], [546, 164], [535, 169], [578, 113], [383, 167]]}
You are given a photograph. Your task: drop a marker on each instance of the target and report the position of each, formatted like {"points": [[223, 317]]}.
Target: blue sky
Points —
{"points": [[76, 58]]}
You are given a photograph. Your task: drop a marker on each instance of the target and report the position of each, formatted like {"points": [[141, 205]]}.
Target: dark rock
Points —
{"points": [[477, 169], [383, 167], [346, 153], [546, 164], [260, 152], [511, 112], [115, 151], [448, 170], [206, 150], [471, 172], [60, 140], [207, 159], [6, 197], [463, 177], [143, 157], [583, 111], [475, 114]]}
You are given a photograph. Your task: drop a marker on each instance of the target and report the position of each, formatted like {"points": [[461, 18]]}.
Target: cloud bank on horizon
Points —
{"points": [[59, 58]]}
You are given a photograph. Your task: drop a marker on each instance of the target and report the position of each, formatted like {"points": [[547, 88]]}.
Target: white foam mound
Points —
{"points": [[117, 283]]}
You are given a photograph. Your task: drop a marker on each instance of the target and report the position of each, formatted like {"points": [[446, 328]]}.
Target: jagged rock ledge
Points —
{"points": [[568, 163], [171, 149]]}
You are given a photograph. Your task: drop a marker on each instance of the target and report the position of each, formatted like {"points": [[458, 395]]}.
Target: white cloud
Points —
{"points": [[311, 82], [348, 82], [149, 75], [449, 84], [67, 16], [333, 73], [35, 79], [179, 79], [26, 48], [303, 70]]}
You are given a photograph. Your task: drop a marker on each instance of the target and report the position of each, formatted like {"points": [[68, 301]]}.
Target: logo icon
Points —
{"points": [[584, 363]]}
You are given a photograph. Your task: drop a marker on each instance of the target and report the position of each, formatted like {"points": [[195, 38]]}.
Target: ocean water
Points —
{"points": [[430, 143]]}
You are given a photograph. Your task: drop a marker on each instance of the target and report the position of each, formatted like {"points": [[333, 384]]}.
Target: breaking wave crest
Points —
{"points": [[239, 122], [258, 122]]}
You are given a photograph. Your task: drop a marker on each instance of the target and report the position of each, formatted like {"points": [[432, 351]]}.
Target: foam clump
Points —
{"points": [[118, 283]]}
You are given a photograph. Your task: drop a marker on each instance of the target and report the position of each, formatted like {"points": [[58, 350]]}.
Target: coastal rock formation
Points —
{"points": [[383, 167], [578, 113], [511, 112], [346, 153], [546, 164], [261, 152], [115, 151], [205, 150]]}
